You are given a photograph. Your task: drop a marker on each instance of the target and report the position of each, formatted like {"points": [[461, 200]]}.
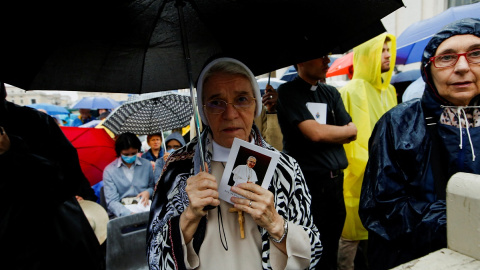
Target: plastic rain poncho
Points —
{"points": [[402, 200], [366, 97]]}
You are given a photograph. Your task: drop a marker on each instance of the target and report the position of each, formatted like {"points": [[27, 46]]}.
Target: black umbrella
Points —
{"points": [[133, 46], [151, 113]]}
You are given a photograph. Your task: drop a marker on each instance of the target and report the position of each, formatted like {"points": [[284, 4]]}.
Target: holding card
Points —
{"points": [[247, 163]]}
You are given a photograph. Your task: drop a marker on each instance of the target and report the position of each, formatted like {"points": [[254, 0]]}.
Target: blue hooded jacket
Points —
{"points": [[411, 158], [159, 163]]}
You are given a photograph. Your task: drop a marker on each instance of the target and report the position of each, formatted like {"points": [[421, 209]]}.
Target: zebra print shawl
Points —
{"points": [[164, 245]]}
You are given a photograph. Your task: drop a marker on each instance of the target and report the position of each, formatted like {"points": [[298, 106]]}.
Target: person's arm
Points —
{"points": [[316, 132], [202, 191], [393, 201], [343, 132], [301, 247], [236, 174], [112, 196], [269, 99]]}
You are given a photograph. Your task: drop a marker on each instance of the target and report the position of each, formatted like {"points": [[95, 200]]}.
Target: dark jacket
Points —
{"points": [[402, 202], [40, 175]]}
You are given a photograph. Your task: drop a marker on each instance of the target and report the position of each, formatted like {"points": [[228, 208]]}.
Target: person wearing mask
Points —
{"points": [[279, 232], [36, 156], [318, 146], [127, 176], [418, 145], [173, 142], [366, 98]]}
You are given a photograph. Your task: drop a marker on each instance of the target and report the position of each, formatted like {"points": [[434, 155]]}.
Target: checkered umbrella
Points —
{"points": [[151, 113]]}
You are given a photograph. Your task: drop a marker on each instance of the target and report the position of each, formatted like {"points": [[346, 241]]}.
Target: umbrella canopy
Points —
{"points": [[91, 124], [50, 108], [151, 113], [96, 103], [412, 41], [289, 76], [406, 76], [342, 66], [291, 72], [95, 148], [414, 90], [274, 82], [138, 46]]}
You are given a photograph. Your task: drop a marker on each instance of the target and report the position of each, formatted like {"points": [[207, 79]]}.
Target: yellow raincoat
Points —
{"points": [[366, 98]]}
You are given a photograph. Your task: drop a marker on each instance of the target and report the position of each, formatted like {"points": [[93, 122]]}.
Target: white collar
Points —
{"points": [[221, 153], [314, 87]]}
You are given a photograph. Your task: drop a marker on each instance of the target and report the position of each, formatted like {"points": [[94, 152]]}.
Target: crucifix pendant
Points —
{"points": [[241, 220]]}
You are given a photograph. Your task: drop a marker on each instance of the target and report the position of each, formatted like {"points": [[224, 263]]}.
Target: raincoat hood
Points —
{"points": [[461, 27], [222, 64], [175, 136], [367, 61]]}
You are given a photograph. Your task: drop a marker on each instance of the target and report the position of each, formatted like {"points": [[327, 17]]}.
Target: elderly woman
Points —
{"points": [[418, 145], [279, 230]]}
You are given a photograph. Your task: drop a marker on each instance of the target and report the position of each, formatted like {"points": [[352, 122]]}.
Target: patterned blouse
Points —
{"points": [[164, 244]]}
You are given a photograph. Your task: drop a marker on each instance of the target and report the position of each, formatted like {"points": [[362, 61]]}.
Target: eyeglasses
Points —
{"points": [[450, 59], [218, 106]]}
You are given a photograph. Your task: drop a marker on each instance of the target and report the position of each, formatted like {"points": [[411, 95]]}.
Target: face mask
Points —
{"points": [[170, 151], [129, 159]]}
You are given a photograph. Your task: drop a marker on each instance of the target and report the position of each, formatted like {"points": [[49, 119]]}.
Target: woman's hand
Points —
{"points": [[165, 156], [202, 191], [259, 203], [145, 196]]}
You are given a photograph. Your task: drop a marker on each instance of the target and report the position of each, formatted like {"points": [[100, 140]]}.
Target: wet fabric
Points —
{"points": [[411, 157], [366, 97], [44, 165]]}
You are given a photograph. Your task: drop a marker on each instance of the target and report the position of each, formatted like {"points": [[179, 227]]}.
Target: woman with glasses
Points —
{"points": [[417, 146], [184, 234]]}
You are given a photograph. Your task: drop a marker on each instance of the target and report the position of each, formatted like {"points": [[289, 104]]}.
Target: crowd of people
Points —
{"points": [[360, 182]]}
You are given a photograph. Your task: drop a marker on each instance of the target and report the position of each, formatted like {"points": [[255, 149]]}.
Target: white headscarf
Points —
{"points": [[256, 88]]}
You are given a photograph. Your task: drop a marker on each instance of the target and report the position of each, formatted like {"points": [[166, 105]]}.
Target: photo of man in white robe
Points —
{"points": [[245, 173]]}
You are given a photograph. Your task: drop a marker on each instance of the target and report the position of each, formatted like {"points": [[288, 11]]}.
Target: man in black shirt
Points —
{"points": [[317, 145]]}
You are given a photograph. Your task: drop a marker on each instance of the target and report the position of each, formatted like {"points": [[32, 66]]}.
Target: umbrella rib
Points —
{"points": [[147, 44]]}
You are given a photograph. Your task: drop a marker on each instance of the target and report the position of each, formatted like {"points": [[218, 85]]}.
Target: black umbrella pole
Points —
{"points": [[179, 4]]}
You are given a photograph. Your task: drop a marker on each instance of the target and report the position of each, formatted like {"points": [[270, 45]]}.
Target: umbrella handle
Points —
{"points": [[163, 141], [180, 4]]}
